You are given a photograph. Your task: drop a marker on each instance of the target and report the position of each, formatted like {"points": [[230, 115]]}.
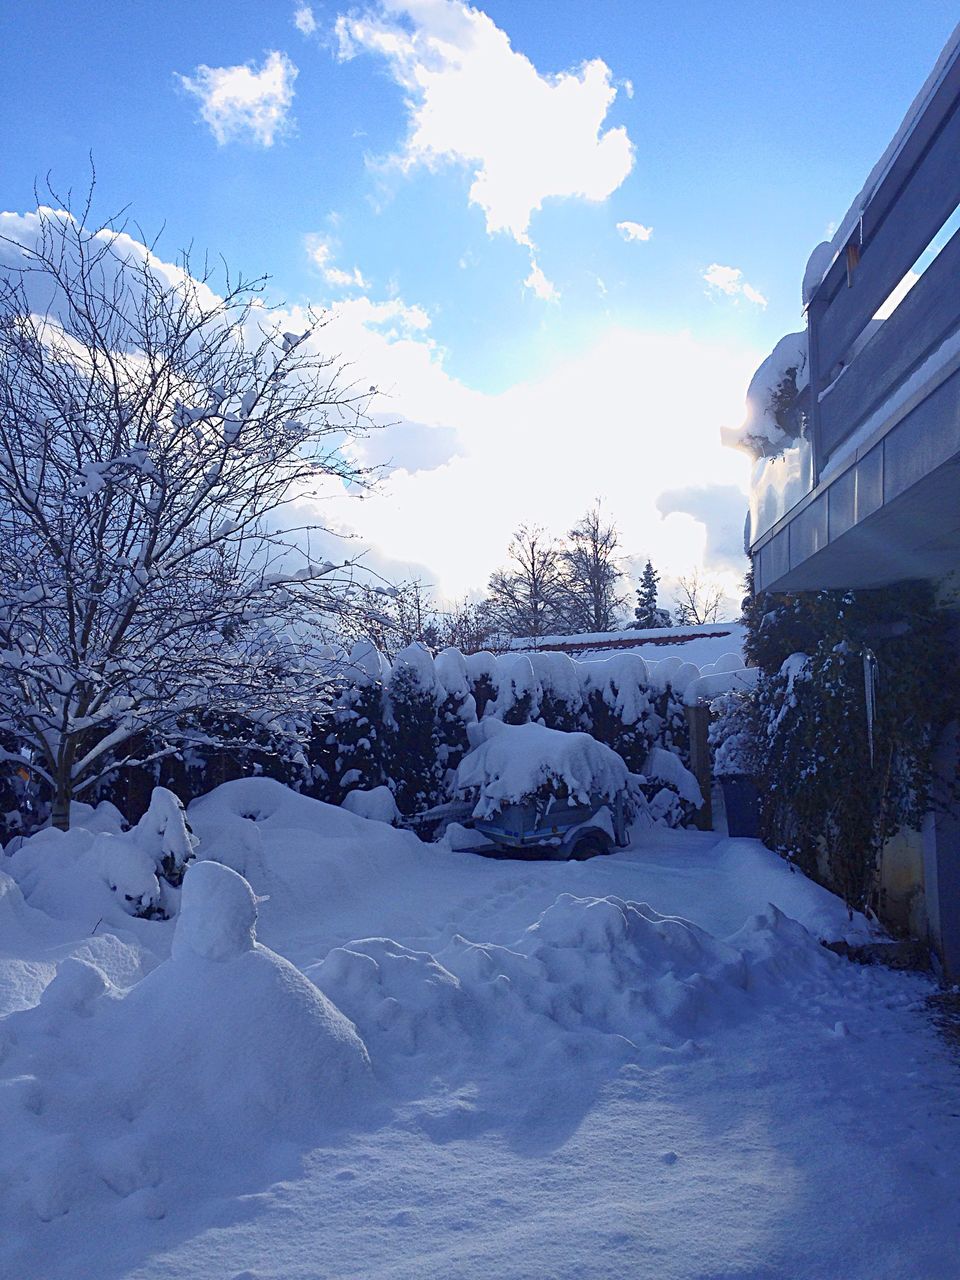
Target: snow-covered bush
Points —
{"points": [[414, 697], [457, 710], [356, 734], [671, 790], [96, 867], [618, 706], [732, 735], [482, 674], [518, 690], [561, 697]]}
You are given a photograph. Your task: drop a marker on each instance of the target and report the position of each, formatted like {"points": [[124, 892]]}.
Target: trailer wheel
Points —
{"points": [[589, 844]]}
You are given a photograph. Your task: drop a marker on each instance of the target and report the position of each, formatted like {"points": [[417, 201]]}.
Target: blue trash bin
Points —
{"points": [[741, 800]]}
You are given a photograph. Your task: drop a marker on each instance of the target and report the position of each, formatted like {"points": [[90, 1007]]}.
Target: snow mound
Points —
{"points": [[664, 766], [97, 871], [271, 807], [218, 914], [519, 761], [377, 805], [407, 1001], [591, 976], [220, 1051]]}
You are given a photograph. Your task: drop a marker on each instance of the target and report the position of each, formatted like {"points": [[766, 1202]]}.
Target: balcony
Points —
{"points": [[866, 492]]}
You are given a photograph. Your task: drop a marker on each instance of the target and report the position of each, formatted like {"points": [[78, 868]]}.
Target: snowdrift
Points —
{"points": [[222, 1049]]}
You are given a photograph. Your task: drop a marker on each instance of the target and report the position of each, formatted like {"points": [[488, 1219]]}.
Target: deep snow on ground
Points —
{"points": [[432, 1064]]}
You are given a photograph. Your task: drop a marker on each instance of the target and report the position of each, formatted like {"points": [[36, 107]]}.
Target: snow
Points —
{"points": [[366, 664], [623, 682], [386, 1059], [218, 916], [699, 644], [377, 804], [451, 670], [417, 664], [667, 767], [558, 675], [760, 434], [517, 761], [516, 680]]}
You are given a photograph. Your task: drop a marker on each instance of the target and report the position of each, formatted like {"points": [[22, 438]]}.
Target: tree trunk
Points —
{"points": [[60, 813]]}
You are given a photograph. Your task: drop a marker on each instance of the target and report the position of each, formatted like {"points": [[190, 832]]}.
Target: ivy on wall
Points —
{"points": [[831, 791]]}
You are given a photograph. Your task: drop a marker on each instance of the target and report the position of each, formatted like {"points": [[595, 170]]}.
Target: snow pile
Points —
{"points": [[105, 873], [771, 423], [591, 976], [523, 761], [376, 804], [218, 1052]]}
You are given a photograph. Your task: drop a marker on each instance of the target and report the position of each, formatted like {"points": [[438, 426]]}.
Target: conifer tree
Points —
{"points": [[647, 614]]}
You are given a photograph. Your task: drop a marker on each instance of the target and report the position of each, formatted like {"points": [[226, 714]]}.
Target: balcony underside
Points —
{"points": [[892, 513]]}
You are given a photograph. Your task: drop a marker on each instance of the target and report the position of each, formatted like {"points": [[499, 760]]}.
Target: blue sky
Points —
{"points": [[419, 167]]}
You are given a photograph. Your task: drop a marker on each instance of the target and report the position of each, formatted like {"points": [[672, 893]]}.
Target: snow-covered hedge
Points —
{"points": [[405, 725]]}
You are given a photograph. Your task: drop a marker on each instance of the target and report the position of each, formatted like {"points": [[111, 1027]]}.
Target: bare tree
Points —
{"points": [[591, 601], [393, 615], [698, 599], [152, 432], [525, 598], [467, 626]]}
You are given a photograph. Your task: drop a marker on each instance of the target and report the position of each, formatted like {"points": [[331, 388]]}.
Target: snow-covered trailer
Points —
{"points": [[529, 789], [561, 830]]}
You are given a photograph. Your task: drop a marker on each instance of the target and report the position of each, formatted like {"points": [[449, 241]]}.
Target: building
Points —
{"points": [[855, 426]]}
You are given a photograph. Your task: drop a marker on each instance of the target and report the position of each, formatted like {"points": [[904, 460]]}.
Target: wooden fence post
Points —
{"points": [[698, 722]]}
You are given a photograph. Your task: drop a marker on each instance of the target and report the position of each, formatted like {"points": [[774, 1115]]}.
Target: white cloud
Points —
{"points": [[242, 102], [304, 20], [634, 231], [730, 281], [321, 252], [538, 283], [474, 100], [633, 415]]}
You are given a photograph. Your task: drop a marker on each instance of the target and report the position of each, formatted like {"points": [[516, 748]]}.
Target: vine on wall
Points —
{"points": [[832, 793]]}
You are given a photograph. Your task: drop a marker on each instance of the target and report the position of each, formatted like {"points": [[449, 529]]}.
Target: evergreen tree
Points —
{"points": [[482, 674], [647, 614]]}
